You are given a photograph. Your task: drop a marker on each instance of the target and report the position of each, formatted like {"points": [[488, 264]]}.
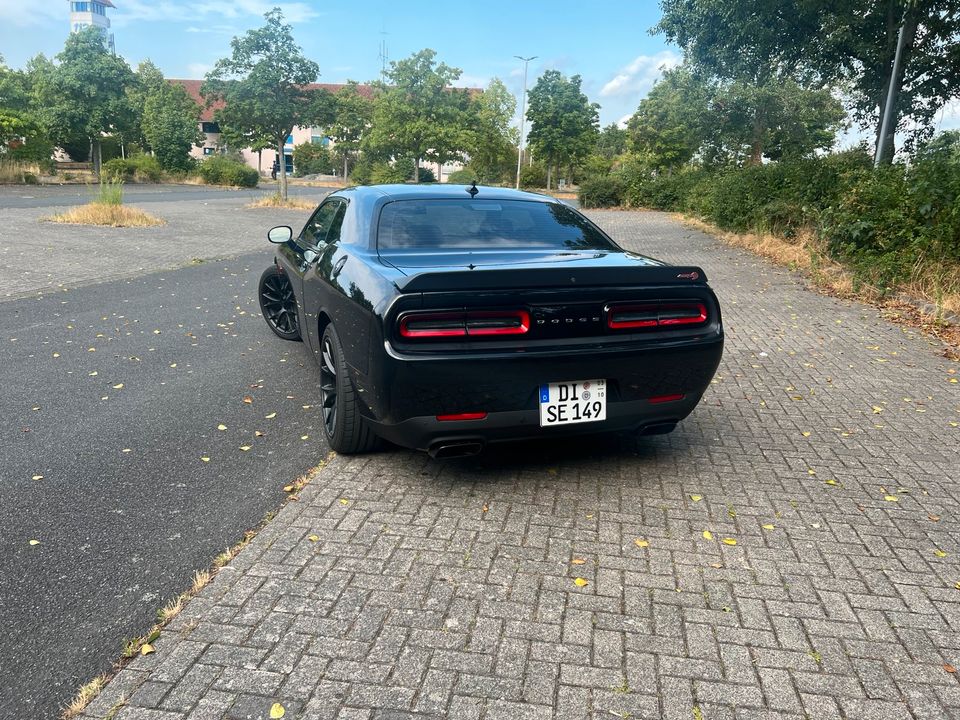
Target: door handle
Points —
{"points": [[339, 266]]}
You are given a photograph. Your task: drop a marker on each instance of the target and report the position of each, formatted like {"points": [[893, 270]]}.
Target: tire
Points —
{"points": [[343, 425], [278, 303]]}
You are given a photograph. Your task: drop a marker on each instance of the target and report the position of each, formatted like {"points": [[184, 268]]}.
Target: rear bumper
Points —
{"points": [[404, 396]]}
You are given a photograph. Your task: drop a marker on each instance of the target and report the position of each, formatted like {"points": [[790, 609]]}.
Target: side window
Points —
{"points": [[333, 236], [315, 231]]}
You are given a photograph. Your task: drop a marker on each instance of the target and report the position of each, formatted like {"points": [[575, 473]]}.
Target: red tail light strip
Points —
{"points": [[478, 323], [666, 398], [627, 317], [462, 416]]}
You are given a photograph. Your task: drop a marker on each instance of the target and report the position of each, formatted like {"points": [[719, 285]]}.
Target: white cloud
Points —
{"points": [[22, 14], [198, 70], [472, 81], [639, 76]]}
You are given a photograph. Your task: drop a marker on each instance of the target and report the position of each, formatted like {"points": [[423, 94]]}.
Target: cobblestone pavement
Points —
{"points": [[827, 449]]}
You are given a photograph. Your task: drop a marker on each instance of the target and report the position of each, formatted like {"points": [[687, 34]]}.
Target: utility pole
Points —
{"points": [[889, 107], [523, 113]]}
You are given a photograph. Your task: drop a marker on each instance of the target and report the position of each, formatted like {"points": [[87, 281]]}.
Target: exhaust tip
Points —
{"points": [[446, 450]]}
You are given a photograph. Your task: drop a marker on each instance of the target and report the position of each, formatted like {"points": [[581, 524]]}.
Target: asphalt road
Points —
{"points": [[112, 395]]}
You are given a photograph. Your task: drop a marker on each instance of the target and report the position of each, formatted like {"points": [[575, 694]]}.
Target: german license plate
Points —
{"points": [[577, 401]]}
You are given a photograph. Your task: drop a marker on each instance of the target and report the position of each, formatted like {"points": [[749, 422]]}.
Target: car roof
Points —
{"points": [[446, 191]]}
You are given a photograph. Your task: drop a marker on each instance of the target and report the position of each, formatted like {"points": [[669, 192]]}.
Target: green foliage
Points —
{"points": [[601, 191], [351, 120], [533, 176], [109, 192], [492, 139], [85, 94], [563, 122], [418, 114], [612, 141], [847, 44], [465, 176], [312, 159], [142, 168], [169, 125], [223, 170], [386, 173], [263, 85]]}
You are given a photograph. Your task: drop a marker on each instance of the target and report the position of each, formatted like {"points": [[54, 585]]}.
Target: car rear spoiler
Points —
{"points": [[483, 279]]}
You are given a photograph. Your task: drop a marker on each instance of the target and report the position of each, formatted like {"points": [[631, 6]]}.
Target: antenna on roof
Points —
{"points": [[473, 189]]}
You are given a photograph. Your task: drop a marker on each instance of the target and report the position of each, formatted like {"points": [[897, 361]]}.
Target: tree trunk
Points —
{"points": [[283, 168], [885, 145], [344, 167], [96, 156], [259, 161], [416, 170], [549, 174]]}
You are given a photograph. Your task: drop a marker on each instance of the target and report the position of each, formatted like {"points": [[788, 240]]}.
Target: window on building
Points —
{"points": [[209, 151], [209, 127]]}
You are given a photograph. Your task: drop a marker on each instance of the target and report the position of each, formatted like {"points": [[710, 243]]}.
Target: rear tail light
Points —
{"points": [[666, 398], [652, 315], [473, 323], [462, 416]]}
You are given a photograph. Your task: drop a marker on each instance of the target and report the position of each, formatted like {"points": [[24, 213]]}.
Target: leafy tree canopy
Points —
{"points": [[263, 85], [492, 138], [169, 125], [351, 121]]}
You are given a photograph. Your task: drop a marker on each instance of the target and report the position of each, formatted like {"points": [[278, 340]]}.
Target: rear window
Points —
{"points": [[468, 224]]}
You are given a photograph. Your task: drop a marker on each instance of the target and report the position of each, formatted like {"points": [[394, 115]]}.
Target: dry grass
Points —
{"points": [[13, 172], [932, 284], [173, 608], [275, 201], [84, 697], [107, 215]]}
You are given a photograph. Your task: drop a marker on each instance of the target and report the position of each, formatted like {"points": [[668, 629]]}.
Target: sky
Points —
{"points": [[608, 44]]}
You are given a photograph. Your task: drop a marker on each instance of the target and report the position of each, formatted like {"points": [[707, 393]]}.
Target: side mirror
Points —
{"points": [[280, 235]]}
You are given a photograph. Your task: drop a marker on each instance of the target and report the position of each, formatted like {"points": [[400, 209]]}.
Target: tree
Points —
{"points": [[86, 93], [351, 121], [169, 125], [670, 126], [418, 114], [563, 122], [849, 43], [312, 158], [492, 139], [263, 86], [612, 141]]}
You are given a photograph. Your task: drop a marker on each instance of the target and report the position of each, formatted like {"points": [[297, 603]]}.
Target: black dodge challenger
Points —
{"points": [[446, 317]]}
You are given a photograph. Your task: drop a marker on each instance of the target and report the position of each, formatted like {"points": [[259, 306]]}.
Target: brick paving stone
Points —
{"points": [[417, 603]]}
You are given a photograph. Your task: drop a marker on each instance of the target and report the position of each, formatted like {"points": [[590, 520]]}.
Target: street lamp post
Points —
{"points": [[523, 113]]}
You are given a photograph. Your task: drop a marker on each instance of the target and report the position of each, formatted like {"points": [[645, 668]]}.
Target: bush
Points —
{"points": [[141, 168], [601, 191], [385, 173], [465, 176], [223, 170], [312, 159], [533, 176], [361, 172]]}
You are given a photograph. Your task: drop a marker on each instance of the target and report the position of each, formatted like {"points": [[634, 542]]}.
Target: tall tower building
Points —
{"points": [[84, 13]]}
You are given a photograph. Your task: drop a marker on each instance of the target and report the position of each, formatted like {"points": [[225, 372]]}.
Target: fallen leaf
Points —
{"points": [[729, 541], [811, 471], [707, 535], [126, 450], [118, 386], [957, 585], [485, 508], [578, 561], [939, 553], [205, 459], [344, 501], [147, 649], [891, 498], [581, 582], [313, 538], [806, 433], [247, 399], [716, 565], [257, 433], [271, 416], [877, 409], [768, 526], [949, 668], [288, 488], [304, 437], [641, 543], [696, 498], [934, 518], [56, 354], [832, 482], [221, 427], [37, 477], [37, 542], [244, 447], [277, 711]]}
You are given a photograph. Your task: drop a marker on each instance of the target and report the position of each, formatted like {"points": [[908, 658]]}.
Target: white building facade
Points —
{"points": [[92, 13]]}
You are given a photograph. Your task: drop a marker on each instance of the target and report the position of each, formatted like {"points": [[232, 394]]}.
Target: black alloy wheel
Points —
{"points": [[343, 425], [278, 303]]}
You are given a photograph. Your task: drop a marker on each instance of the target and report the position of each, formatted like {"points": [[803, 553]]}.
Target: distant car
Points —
{"points": [[447, 317]]}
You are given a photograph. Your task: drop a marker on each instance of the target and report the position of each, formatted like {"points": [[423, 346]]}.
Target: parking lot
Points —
{"points": [[790, 551]]}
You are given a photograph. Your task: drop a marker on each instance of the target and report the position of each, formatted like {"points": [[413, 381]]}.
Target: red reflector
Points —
{"points": [[462, 416], [667, 398]]}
